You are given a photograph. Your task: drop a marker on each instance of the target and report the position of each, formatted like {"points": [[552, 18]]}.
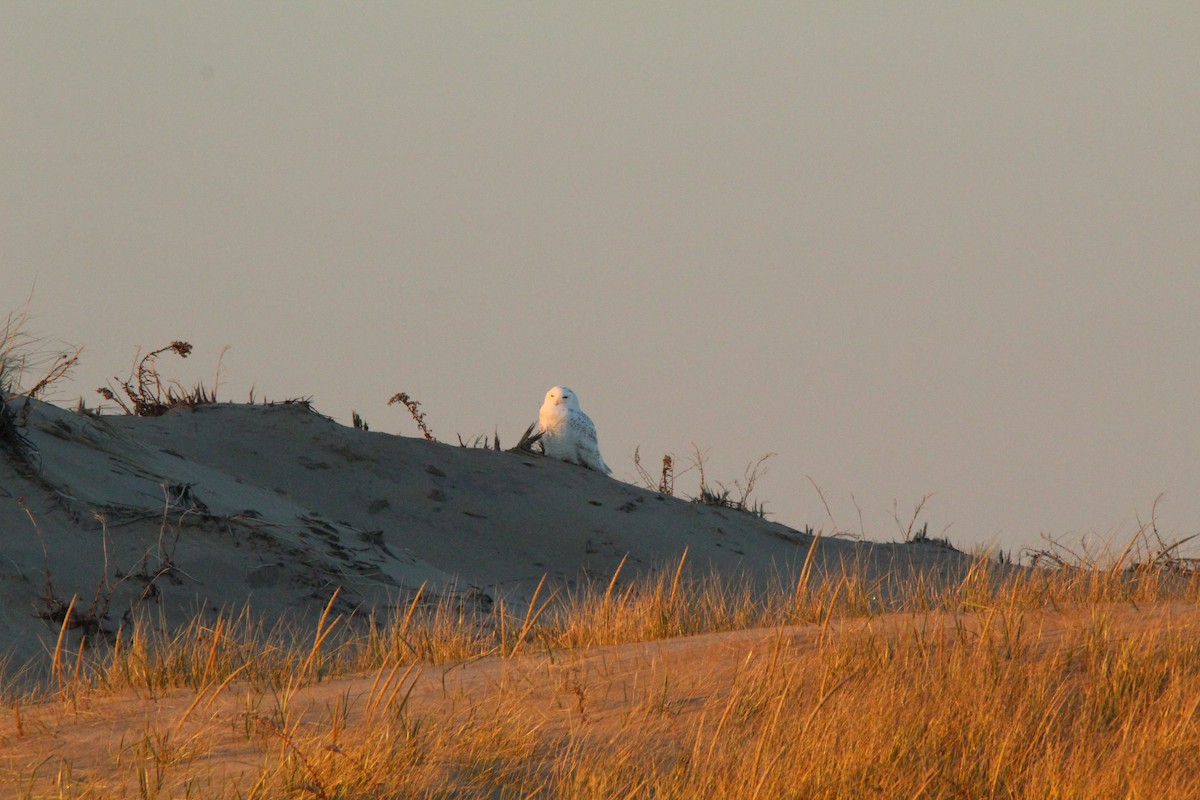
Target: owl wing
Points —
{"points": [[587, 448]]}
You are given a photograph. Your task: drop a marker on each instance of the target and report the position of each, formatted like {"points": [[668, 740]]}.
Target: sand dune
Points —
{"points": [[214, 506]]}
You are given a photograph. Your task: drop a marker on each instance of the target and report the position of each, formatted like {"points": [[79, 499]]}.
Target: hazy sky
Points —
{"points": [[910, 248]]}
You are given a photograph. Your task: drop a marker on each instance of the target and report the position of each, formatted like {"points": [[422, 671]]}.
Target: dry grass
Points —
{"points": [[1077, 680], [1004, 683], [27, 367], [709, 494], [27, 370], [414, 409], [148, 394]]}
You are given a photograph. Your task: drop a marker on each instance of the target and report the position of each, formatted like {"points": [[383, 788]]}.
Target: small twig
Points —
{"points": [[60, 369], [413, 407], [666, 483], [824, 502], [907, 533], [647, 481]]}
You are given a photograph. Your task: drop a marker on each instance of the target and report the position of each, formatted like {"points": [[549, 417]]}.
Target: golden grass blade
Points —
{"points": [[321, 634], [57, 665], [678, 574], [806, 570], [613, 581]]}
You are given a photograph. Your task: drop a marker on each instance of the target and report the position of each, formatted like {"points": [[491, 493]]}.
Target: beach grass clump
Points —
{"points": [[918, 715], [148, 394], [716, 494], [430, 628], [1076, 681], [28, 370]]}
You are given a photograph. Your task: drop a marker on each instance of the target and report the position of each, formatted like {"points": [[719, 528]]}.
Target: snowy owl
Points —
{"points": [[567, 432]]}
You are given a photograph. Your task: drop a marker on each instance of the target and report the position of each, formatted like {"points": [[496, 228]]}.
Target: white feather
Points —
{"points": [[567, 432]]}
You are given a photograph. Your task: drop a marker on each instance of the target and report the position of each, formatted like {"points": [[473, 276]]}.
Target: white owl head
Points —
{"points": [[561, 396]]}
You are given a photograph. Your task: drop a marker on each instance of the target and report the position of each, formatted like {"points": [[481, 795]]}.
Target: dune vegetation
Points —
{"points": [[1073, 681], [1072, 676]]}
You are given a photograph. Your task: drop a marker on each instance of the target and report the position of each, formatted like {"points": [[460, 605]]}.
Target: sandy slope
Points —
{"points": [[582, 698], [211, 506]]}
